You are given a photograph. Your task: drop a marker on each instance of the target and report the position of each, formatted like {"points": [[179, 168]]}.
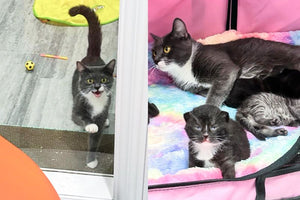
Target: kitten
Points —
{"points": [[91, 86], [215, 139], [196, 67], [285, 84], [260, 111]]}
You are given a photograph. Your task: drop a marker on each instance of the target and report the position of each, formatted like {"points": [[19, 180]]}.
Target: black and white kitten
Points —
{"points": [[215, 139], [260, 111], [196, 67], [91, 86]]}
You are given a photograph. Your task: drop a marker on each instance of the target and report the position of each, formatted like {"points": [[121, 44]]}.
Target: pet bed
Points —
{"points": [[57, 11], [168, 142]]}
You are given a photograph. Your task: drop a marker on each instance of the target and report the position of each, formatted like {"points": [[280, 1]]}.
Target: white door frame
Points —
{"points": [[130, 172]]}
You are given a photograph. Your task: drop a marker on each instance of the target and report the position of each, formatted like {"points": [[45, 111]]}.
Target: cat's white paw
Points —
{"points": [[106, 124], [91, 128], [92, 164]]}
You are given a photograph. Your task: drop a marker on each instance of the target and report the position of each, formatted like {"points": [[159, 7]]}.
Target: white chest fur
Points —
{"points": [[205, 152], [183, 75], [97, 103]]}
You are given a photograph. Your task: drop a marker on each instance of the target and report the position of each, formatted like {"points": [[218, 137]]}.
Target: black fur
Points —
{"points": [[94, 35], [286, 84], [212, 128], [153, 111]]}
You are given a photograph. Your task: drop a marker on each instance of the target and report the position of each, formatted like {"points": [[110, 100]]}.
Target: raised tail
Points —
{"points": [[95, 34]]}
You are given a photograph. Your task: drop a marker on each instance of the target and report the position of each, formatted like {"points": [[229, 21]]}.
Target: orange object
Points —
{"points": [[20, 177], [53, 56]]}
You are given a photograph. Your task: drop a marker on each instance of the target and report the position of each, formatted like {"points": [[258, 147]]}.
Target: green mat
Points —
{"points": [[57, 11]]}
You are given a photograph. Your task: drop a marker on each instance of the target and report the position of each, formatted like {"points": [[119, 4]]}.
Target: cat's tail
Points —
{"points": [[95, 34]]}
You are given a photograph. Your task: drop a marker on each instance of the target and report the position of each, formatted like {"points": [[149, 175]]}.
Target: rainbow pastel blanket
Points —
{"points": [[168, 142]]}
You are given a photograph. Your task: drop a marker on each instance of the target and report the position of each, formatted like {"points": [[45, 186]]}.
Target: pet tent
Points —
{"points": [[273, 169]]}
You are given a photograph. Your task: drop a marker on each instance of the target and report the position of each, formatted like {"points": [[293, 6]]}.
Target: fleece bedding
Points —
{"points": [[168, 142]]}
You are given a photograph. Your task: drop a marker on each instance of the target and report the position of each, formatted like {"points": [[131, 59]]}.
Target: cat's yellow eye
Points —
{"points": [[90, 81], [153, 53], [103, 80], [167, 49]]}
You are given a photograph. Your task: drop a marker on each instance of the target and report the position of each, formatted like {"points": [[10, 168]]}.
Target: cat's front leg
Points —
{"points": [[91, 128], [221, 88], [228, 169], [199, 90], [193, 162], [82, 118]]}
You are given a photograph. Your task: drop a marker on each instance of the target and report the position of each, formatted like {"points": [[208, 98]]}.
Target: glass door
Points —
{"points": [[36, 105]]}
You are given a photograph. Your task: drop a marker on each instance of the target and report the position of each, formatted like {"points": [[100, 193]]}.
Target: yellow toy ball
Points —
{"points": [[29, 65]]}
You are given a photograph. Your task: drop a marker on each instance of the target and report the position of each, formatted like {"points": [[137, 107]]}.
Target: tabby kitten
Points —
{"points": [[197, 67], [260, 111], [91, 86], [215, 140]]}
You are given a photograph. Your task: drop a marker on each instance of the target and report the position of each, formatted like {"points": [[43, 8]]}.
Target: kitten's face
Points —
{"points": [[173, 49], [206, 124], [97, 81]]}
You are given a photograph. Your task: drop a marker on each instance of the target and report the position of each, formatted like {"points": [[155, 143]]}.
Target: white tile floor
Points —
{"points": [[43, 97]]}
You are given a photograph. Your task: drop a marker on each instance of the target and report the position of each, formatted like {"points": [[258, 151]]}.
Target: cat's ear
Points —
{"points": [[179, 29], [156, 38], [224, 115], [80, 66], [186, 116], [109, 68]]}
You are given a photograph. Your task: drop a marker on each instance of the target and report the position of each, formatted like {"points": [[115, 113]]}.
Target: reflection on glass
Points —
{"points": [[54, 115]]}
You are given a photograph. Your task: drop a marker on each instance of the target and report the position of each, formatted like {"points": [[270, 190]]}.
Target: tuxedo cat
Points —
{"points": [[260, 111], [91, 86], [215, 139], [197, 67]]}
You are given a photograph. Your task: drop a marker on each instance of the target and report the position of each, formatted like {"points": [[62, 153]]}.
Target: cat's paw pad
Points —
{"points": [[106, 123], [281, 131], [274, 122], [91, 128], [93, 164]]}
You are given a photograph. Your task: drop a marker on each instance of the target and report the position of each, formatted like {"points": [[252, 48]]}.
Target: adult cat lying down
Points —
{"points": [[196, 67]]}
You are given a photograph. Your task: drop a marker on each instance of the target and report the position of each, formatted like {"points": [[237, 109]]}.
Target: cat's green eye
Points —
{"points": [[90, 81], [104, 80], [167, 49]]}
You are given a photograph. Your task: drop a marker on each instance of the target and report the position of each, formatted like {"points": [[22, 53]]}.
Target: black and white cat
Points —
{"points": [[260, 111], [196, 67], [215, 139], [91, 86]]}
